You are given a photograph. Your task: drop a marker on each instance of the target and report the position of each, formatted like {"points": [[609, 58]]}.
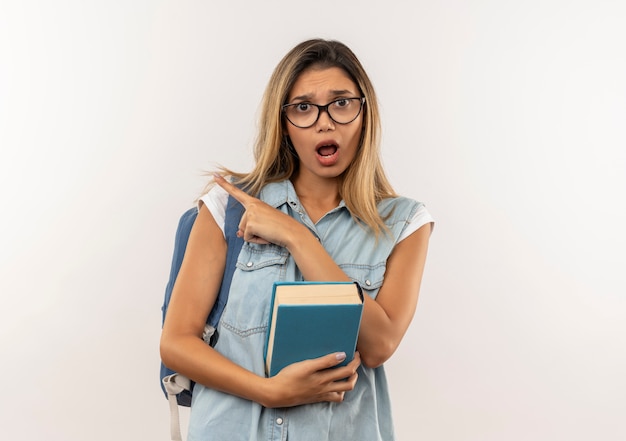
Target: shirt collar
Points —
{"points": [[279, 193]]}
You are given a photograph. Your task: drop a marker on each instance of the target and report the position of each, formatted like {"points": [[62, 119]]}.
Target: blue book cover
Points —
{"points": [[311, 319]]}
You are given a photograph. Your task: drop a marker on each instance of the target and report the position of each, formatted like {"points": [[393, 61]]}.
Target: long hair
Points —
{"points": [[364, 183]]}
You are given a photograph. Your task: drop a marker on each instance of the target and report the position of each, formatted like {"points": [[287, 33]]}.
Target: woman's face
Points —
{"points": [[327, 148]]}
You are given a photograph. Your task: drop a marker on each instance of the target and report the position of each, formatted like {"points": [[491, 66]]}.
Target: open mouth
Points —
{"points": [[327, 150]]}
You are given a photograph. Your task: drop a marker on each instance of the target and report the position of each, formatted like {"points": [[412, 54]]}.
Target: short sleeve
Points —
{"points": [[419, 219], [216, 200]]}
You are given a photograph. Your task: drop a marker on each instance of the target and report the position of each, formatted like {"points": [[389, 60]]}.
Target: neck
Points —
{"points": [[318, 196]]}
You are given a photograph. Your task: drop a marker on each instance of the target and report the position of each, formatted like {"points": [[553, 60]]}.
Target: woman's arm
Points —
{"points": [[183, 350], [386, 319]]}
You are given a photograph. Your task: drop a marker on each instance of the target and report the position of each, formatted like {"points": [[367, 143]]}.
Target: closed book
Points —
{"points": [[311, 319]]}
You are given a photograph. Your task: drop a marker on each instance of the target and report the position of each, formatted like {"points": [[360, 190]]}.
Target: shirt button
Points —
{"points": [[249, 264], [368, 283], [279, 421]]}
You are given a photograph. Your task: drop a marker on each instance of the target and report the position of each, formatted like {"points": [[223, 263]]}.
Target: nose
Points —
{"points": [[324, 121]]}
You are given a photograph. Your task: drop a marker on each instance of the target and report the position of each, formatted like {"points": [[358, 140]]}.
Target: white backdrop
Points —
{"points": [[506, 118]]}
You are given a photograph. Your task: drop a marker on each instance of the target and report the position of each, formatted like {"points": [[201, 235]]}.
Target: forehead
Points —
{"points": [[322, 83]]}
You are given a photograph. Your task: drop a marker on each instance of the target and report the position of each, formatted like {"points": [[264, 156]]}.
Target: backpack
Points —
{"points": [[177, 388]]}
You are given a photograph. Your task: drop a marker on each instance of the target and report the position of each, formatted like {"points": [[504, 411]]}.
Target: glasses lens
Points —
{"points": [[302, 114], [345, 110]]}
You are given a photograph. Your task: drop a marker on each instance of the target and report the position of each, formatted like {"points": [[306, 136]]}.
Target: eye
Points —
{"points": [[302, 107], [342, 102]]}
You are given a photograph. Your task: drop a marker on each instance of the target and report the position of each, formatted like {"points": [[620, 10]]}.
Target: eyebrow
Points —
{"points": [[332, 93]]}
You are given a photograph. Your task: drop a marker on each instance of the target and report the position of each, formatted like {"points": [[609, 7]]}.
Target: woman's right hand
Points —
{"points": [[312, 381], [261, 223]]}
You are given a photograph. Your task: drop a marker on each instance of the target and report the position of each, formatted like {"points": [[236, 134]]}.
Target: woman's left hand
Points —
{"points": [[260, 223]]}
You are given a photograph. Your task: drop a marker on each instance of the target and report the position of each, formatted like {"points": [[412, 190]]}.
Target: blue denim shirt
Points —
{"points": [[365, 414]]}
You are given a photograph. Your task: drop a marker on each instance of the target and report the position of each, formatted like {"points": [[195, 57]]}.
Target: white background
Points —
{"points": [[506, 118]]}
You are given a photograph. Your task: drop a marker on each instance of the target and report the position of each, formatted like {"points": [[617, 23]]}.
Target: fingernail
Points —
{"points": [[341, 356], [217, 176]]}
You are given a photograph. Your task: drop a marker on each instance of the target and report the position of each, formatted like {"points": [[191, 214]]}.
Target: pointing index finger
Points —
{"points": [[232, 190]]}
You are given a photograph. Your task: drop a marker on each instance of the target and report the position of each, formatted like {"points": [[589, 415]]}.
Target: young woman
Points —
{"points": [[318, 207]]}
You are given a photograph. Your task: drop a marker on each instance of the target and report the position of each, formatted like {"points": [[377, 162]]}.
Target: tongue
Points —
{"points": [[327, 150]]}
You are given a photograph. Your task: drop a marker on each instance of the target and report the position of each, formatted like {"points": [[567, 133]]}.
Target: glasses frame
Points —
{"points": [[324, 108]]}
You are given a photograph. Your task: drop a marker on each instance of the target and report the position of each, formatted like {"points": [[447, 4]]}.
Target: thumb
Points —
{"points": [[330, 360]]}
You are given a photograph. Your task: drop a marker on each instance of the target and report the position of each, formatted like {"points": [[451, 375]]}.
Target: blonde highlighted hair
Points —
{"points": [[364, 182]]}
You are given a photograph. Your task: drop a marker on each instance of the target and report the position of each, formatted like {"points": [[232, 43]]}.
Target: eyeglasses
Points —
{"points": [[342, 111]]}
